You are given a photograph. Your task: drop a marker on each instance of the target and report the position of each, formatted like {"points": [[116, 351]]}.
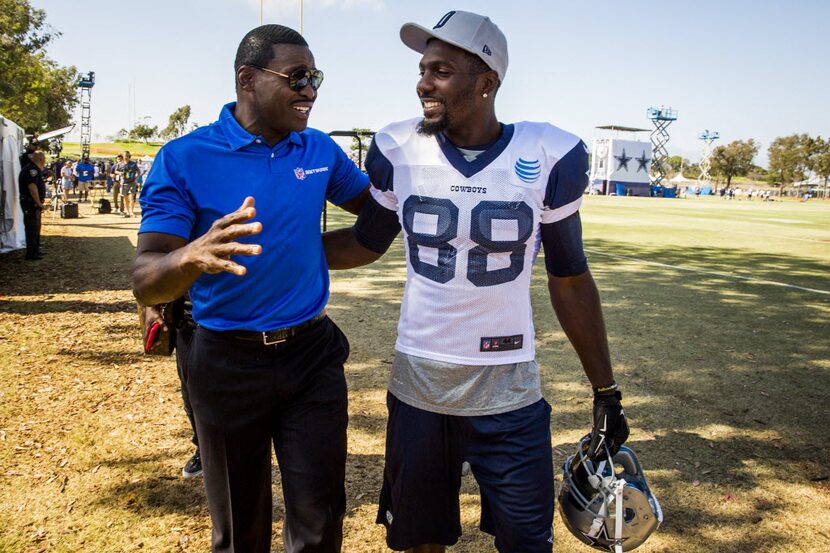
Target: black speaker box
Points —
{"points": [[69, 210]]}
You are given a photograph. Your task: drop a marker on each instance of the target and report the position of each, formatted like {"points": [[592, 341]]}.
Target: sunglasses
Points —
{"points": [[299, 78]]}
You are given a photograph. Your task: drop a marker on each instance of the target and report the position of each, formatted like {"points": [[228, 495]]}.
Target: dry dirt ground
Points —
{"points": [[729, 409]]}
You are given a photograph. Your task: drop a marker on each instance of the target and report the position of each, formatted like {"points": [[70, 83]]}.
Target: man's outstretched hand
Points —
{"points": [[610, 426], [211, 252]]}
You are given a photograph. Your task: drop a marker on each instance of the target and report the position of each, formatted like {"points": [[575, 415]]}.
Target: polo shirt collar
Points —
{"points": [[238, 137]]}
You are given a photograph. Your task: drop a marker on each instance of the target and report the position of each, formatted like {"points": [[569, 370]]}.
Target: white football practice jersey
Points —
{"points": [[471, 233]]}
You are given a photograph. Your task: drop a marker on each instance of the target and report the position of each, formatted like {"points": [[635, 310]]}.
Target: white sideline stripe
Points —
{"points": [[781, 237], [705, 272]]}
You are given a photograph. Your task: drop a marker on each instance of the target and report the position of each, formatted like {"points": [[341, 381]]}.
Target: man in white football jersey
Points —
{"points": [[475, 199]]}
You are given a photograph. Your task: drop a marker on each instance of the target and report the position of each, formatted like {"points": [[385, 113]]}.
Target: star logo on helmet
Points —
{"points": [[601, 535]]}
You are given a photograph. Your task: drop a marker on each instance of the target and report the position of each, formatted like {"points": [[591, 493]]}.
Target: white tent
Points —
{"points": [[12, 233], [813, 182], [680, 179]]}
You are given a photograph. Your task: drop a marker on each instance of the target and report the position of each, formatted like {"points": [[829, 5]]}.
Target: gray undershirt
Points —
{"points": [[464, 390], [469, 155]]}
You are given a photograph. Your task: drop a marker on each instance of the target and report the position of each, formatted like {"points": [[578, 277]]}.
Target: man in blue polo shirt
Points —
{"points": [[231, 212], [85, 171]]}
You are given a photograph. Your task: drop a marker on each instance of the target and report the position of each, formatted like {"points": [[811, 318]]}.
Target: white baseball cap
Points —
{"points": [[469, 31]]}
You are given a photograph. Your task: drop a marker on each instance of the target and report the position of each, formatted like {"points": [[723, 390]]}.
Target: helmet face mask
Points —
{"points": [[594, 493]]}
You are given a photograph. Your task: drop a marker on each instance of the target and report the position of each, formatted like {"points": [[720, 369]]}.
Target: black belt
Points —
{"points": [[272, 337]]}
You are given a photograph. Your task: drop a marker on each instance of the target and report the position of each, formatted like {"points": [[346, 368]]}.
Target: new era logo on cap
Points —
{"points": [[469, 31]]}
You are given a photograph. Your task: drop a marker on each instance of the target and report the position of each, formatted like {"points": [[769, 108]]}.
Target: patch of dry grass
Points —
{"points": [[726, 383]]}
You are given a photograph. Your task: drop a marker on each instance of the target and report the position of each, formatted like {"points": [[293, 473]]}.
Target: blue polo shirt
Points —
{"points": [[85, 171], [207, 174]]}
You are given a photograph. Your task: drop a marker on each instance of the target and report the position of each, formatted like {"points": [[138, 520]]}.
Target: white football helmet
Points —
{"points": [[608, 510]]}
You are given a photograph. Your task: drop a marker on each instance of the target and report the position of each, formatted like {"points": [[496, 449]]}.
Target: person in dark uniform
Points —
{"points": [[185, 327], [265, 364], [182, 317], [26, 154], [32, 195]]}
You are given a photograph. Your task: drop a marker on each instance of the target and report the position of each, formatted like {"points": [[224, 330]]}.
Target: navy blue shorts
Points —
{"points": [[510, 457]]}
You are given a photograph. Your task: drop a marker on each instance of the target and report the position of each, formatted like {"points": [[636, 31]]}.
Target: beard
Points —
{"points": [[458, 104], [434, 127]]}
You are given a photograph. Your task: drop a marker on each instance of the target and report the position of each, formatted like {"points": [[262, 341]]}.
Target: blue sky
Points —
{"points": [[749, 69]]}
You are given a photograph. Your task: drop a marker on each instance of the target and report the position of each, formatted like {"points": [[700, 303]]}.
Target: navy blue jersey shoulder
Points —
{"points": [[569, 177], [562, 241], [380, 170]]}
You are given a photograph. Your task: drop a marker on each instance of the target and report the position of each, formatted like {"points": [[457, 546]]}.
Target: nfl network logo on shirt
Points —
{"points": [[301, 173], [528, 171]]}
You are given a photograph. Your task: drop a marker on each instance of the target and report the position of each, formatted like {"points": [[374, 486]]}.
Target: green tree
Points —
{"points": [[757, 173], [177, 124], [364, 140], [819, 160], [691, 170], [35, 92], [733, 159], [788, 159], [143, 132], [676, 162]]}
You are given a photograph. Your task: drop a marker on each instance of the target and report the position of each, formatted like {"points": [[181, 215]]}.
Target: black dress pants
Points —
{"points": [[31, 224], [246, 396], [184, 334]]}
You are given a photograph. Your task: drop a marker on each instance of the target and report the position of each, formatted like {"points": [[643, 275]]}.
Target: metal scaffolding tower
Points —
{"points": [[85, 84], [708, 137], [662, 117]]}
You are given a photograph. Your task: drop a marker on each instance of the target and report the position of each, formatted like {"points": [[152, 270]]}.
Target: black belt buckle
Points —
{"points": [[280, 335], [274, 337]]}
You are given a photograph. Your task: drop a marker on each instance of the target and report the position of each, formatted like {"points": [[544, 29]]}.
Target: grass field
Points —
{"points": [[112, 149], [717, 313]]}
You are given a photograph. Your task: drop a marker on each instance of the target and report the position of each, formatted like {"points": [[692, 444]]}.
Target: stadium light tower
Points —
{"points": [[85, 84], [662, 117], [708, 137]]}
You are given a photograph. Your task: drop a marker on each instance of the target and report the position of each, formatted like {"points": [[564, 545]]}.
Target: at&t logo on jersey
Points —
{"points": [[528, 171]]}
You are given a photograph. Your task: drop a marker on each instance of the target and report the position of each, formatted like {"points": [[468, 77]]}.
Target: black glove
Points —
{"points": [[610, 427]]}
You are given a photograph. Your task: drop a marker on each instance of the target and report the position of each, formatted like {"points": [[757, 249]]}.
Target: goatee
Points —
{"points": [[433, 128]]}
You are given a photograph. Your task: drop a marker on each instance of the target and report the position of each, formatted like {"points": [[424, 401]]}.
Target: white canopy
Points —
{"points": [[12, 233], [680, 179], [813, 181]]}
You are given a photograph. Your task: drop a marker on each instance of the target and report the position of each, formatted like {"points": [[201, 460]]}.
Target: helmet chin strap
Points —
{"points": [[612, 489], [618, 523]]}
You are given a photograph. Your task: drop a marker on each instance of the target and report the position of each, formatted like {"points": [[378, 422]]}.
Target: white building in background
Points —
{"points": [[620, 166]]}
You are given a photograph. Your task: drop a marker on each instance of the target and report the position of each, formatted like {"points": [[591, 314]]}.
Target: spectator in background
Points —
{"points": [[131, 171], [32, 190], [66, 179], [86, 172], [26, 154], [107, 170], [117, 178], [184, 326]]}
